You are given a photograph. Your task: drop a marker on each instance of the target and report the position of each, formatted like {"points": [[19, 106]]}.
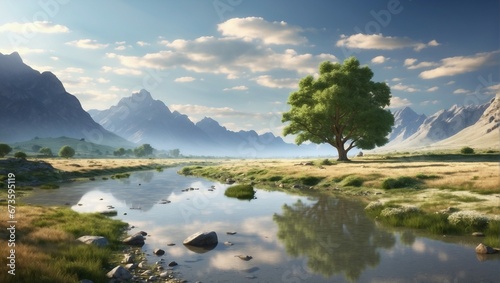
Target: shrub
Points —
{"points": [[275, 178], [66, 151], [400, 182], [311, 180], [4, 149], [353, 181], [422, 176], [45, 151], [20, 155], [240, 192], [469, 219], [467, 150], [326, 162]]}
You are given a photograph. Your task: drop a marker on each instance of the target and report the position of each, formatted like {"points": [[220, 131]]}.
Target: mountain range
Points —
{"points": [[36, 104], [142, 119], [470, 125]]}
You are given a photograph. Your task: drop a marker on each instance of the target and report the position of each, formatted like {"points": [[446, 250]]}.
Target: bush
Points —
{"points": [[467, 150], [353, 181], [20, 155], [400, 182], [45, 151], [310, 180], [275, 178], [326, 162], [4, 149], [240, 192], [66, 151], [471, 220]]}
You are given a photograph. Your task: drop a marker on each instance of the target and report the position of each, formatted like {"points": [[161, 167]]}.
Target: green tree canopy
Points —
{"points": [[342, 107], [66, 151], [143, 150], [45, 151], [20, 155], [4, 149], [119, 152]]}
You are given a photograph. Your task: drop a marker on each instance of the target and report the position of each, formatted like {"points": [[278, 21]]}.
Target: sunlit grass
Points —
{"points": [[46, 249]]}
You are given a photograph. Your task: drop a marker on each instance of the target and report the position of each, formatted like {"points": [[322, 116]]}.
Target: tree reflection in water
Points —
{"points": [[334, 234]]}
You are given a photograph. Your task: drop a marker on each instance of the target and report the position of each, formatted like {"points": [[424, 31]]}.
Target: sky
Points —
{"points": [[237, 61]]}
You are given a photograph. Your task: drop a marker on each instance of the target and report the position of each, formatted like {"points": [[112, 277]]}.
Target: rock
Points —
{"points": [[159, 252], [244, 257], [119, 273], [172, 263], [478, 234], [164, 274], [484, 249], [142, 233], [231, 233], [228, 243], [202, 239], [134, 240], [230, 181], [130, 266], [128, 258], [143, 265], [94, 240], [147, 273], [171, 244]]}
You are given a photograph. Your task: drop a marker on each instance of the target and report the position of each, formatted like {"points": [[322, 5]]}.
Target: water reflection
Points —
{"points": [[334, 235]]}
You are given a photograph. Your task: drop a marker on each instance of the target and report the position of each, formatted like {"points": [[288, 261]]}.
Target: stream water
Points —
{"points": [[291, 238]]}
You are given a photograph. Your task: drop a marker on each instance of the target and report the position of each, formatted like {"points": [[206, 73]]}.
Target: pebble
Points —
{"points": [[231, 233]]}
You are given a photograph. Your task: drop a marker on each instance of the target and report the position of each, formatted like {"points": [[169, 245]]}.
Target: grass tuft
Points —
{"points": [[240, 192]]}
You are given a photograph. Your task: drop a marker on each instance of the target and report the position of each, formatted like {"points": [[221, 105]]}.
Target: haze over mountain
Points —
{"points": [[412, 131], [141, 119], [37, 104]]}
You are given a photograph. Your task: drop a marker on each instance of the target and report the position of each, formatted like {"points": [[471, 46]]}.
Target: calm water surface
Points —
{"points": [[291, 238]]}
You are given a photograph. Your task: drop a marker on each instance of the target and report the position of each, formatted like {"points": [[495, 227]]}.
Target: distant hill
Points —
{"points": [[142, 119], [82, 148], [36, 104]]}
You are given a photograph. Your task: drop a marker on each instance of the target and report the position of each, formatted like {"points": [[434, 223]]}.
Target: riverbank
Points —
{"points": [[428, 184]]}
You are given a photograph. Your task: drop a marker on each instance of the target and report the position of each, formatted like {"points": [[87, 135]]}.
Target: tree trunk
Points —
{"points": [[342, 154]]}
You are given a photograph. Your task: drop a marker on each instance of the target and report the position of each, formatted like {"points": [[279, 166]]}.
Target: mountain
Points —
{"points": [[440, 126], [485, 133], [141, 119], [406, 123], [36, 104]]}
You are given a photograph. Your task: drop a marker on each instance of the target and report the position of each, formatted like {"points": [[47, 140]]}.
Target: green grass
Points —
{"points": [[310, 180], [49, 186], [352, 181], [240, 192], [400, 182]]}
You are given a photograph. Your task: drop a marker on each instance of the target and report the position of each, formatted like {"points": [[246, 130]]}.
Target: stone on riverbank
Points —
{"points": [[484, 249], [94, 240], [119, 273], [202, 239], [135, 240]]}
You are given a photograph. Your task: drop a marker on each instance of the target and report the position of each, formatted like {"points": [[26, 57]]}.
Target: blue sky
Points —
{"points": [[238, 60]]}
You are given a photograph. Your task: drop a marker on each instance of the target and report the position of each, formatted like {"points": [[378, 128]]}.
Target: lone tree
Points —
{"points": [[342, 107], [45, 151], [4, 149], [143, 150], [66, 151]]}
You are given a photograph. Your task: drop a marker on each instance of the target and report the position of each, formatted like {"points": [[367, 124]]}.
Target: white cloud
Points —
{"points": [[268, 81], [87, 44], [230, 56], [460, 91], [396, 79], [117, 89], [73, 70], [240, 88], [121, 71], [379, 59], [381, 42], [450, 82], [493, 89], [143, 43], [23, 50], [120, 48], [55, 58], [461, 64], [432, 89], [257, 28], [410, 64], [232, 77], [399, 102], [184, 79], [33, 27], [102, 80], [405, 88]]}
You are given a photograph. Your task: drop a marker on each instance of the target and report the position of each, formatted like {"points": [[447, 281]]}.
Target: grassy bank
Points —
{"points": [[436, 184], [46, 249]]}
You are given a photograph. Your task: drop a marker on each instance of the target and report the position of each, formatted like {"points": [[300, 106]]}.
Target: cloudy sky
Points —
{"points": [[238, 60]]}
